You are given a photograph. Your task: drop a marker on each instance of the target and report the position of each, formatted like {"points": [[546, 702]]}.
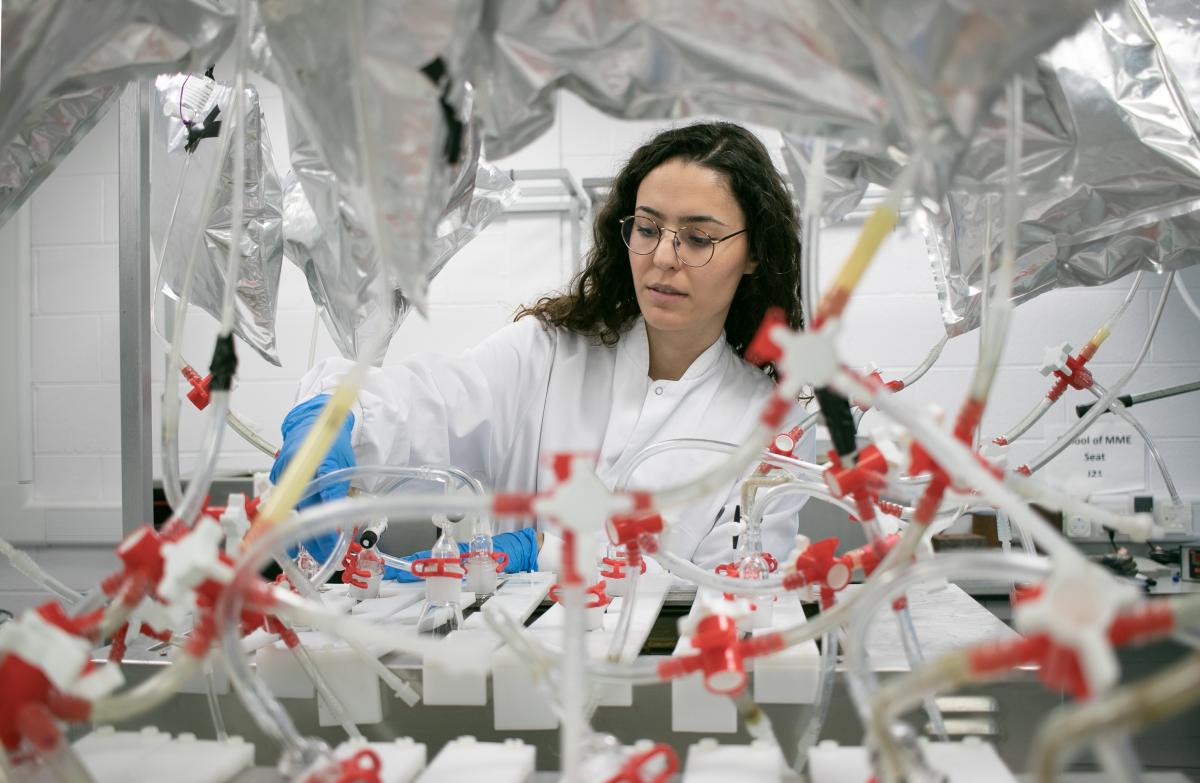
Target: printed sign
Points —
{"points": [[1108, 457]]}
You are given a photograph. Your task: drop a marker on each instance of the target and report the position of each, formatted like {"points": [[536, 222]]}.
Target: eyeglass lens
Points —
{"points": [[642, 235]]}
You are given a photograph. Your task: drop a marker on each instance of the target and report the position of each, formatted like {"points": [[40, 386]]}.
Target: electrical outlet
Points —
{"points": [[1173, 518], [1078, 527]]}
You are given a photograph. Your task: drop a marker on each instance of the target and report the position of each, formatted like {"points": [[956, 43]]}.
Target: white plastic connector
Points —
{"points": [[1076, 607], [895, 445], [808, 357], [59, 655], [583, 505], [192, 560], [234, 523], [1054, 359]]}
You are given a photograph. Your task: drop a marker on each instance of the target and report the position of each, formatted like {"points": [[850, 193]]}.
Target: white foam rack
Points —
{"points": [[787, 677]]}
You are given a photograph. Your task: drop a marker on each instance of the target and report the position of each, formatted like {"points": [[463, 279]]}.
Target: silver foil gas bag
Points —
{"points": [[178, 182], [376, 89], [360, 303], [1110, 171]]}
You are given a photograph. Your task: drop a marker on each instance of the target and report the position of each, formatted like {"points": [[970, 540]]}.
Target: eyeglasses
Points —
{"points": [[693, 247]]}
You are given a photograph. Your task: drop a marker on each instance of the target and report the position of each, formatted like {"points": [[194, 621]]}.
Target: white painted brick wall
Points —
{"points": [[893, 322]]}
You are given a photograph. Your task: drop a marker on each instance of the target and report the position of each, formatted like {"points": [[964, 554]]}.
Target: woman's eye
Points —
{"points": [[699, 241], [648, 232]]}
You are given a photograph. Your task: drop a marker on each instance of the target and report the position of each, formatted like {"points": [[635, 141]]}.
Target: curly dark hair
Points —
{"points": [[601, 301]]}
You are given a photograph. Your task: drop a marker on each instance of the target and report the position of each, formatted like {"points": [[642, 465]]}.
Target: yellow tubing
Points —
{"points": [[880, 223], [304, 465]]}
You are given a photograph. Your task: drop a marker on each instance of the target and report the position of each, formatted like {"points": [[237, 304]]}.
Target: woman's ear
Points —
{"points": [[750, 267]]}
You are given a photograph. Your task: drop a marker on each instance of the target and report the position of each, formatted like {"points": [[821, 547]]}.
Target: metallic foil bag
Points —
{"points": [[1110, 171], [376, 87], [942, 63], [63, 46], [178, 180], [359, 302], [46, 136], [791, 64]]}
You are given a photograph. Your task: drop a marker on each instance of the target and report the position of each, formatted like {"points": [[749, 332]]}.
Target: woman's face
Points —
{"points": [[674, 297]]}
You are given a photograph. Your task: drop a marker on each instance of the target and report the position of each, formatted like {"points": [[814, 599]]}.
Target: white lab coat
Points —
{"points": [[502, 409]]}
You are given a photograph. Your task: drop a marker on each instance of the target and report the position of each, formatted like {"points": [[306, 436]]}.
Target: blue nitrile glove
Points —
{"points": [[295, 428], [520, 546]]}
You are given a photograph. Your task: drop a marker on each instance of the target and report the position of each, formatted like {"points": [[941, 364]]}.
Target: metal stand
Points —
{"points": [[134, 307]]}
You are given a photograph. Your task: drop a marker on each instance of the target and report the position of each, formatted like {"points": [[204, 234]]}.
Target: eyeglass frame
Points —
{"points": [[675, 241]]}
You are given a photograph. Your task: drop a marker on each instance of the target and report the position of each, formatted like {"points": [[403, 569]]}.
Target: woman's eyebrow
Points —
{"points": [[687, 219]]}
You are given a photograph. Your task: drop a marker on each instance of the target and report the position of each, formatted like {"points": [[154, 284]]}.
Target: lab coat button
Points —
{"points": [[658, 390]]}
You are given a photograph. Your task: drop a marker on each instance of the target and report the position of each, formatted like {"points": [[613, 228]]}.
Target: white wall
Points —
{"points": [[893, 320]]}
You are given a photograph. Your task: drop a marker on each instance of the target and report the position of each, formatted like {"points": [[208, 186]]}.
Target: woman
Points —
{"points": [[697, 239]]}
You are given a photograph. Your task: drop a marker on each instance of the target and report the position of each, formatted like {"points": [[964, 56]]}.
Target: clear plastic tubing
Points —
{"points": [[1012, 567], [960, 462], [148, 694], [198, 487], [740, 459], [927, 363], [1119, 408], [262, 705], [820, 709], [249, 435], [170, 400], [1045, 403], [433, 473], [625, 619], [814, 198], [26, 565], [237, 212], [698, 444], [190, 505], [1106, 399]]}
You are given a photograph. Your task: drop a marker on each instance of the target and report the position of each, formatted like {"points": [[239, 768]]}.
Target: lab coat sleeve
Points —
{"points": [[440, 410], [780, 523]]}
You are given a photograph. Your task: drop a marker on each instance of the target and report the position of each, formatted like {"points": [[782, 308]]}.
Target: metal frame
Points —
{"points": [[567, 195], [137, 479], [597, 188]]}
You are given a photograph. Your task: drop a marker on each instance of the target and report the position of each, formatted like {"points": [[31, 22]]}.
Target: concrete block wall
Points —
{"points": [[892, 322]]}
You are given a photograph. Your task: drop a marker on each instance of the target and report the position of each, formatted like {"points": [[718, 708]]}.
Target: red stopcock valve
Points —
{"points": [[720, 653], [364, 766], [653, 765], [784, 444], [200, 395], [1068, 370]]}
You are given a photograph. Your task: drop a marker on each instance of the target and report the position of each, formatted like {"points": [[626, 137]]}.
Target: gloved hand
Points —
{"points": [[520, 546], [295, 428]]}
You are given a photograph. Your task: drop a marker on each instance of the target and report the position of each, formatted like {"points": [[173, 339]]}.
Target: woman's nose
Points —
{"points": [[664, 255]]}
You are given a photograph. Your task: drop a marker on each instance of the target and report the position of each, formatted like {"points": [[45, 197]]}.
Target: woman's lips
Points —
{"points": [[664, 294]]}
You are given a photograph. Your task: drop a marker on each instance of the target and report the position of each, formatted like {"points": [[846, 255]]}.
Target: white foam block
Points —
{"points": [[279, 670], [651, 592], [970, 761], [117, 756], [517, 704], [198, 682], [402, 760], [465, 760], [693, 708], [355, 685], [708, 762], [789, 676], [442, 686]]}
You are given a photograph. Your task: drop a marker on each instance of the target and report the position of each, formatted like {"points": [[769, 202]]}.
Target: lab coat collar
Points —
{"points": [[635, 345]]}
